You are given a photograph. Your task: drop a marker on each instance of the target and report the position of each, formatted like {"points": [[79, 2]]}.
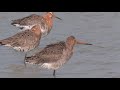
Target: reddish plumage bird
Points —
{"points": [[45, 21], [53, 56]]}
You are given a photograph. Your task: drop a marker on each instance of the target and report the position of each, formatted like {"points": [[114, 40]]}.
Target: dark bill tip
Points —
{"points": [[88, 44], [58, 18]]}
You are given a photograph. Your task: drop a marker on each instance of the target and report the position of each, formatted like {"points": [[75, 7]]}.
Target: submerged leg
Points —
{"points": [[25, 59], [54, 73]]}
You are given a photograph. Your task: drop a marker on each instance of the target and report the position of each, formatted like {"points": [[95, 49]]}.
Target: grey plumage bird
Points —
{"points": [[25, 40]]}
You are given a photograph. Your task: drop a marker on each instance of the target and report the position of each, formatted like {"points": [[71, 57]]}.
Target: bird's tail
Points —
{"points": [[13, 22], [1, 43], [31, 60]]}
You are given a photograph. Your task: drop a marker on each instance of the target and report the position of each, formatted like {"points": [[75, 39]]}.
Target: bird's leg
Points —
{"points": [[54, 74], [25, 59]]}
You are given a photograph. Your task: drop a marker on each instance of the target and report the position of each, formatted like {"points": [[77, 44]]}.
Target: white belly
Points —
{"points": [[47, 65]]}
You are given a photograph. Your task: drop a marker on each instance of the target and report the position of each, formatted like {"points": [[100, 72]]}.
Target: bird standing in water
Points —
{"points": [[25, 40], [53, 56]]}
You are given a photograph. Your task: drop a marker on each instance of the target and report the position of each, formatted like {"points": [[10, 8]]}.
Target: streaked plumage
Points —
{"points": [[53, 56], [25, 40], [45, 22]]}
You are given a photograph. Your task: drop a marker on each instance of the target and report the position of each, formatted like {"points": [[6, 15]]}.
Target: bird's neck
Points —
{"points": [[69, 46], [49, 21]]}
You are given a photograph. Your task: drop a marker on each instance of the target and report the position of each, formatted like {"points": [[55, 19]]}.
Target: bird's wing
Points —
{"points": [[29, 20], [51, 53], [19, 39]]}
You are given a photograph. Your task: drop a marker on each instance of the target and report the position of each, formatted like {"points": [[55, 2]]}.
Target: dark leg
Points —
{"points": [[54, 73], [25, 59]]}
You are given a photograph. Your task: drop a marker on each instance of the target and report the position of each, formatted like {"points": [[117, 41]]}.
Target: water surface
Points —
{"points": [[99, 28]]}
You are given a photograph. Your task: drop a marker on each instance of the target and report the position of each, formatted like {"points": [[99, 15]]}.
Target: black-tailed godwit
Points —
{"points": [[53, 56], [25, 40], [45, 22]]}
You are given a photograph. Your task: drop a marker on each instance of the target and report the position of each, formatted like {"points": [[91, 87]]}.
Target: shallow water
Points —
{"points": [[99, 61]]}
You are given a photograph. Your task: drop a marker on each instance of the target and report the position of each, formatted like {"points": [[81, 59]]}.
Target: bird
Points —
{"points": [[45, 21], [24, 41], [53, 56]]}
